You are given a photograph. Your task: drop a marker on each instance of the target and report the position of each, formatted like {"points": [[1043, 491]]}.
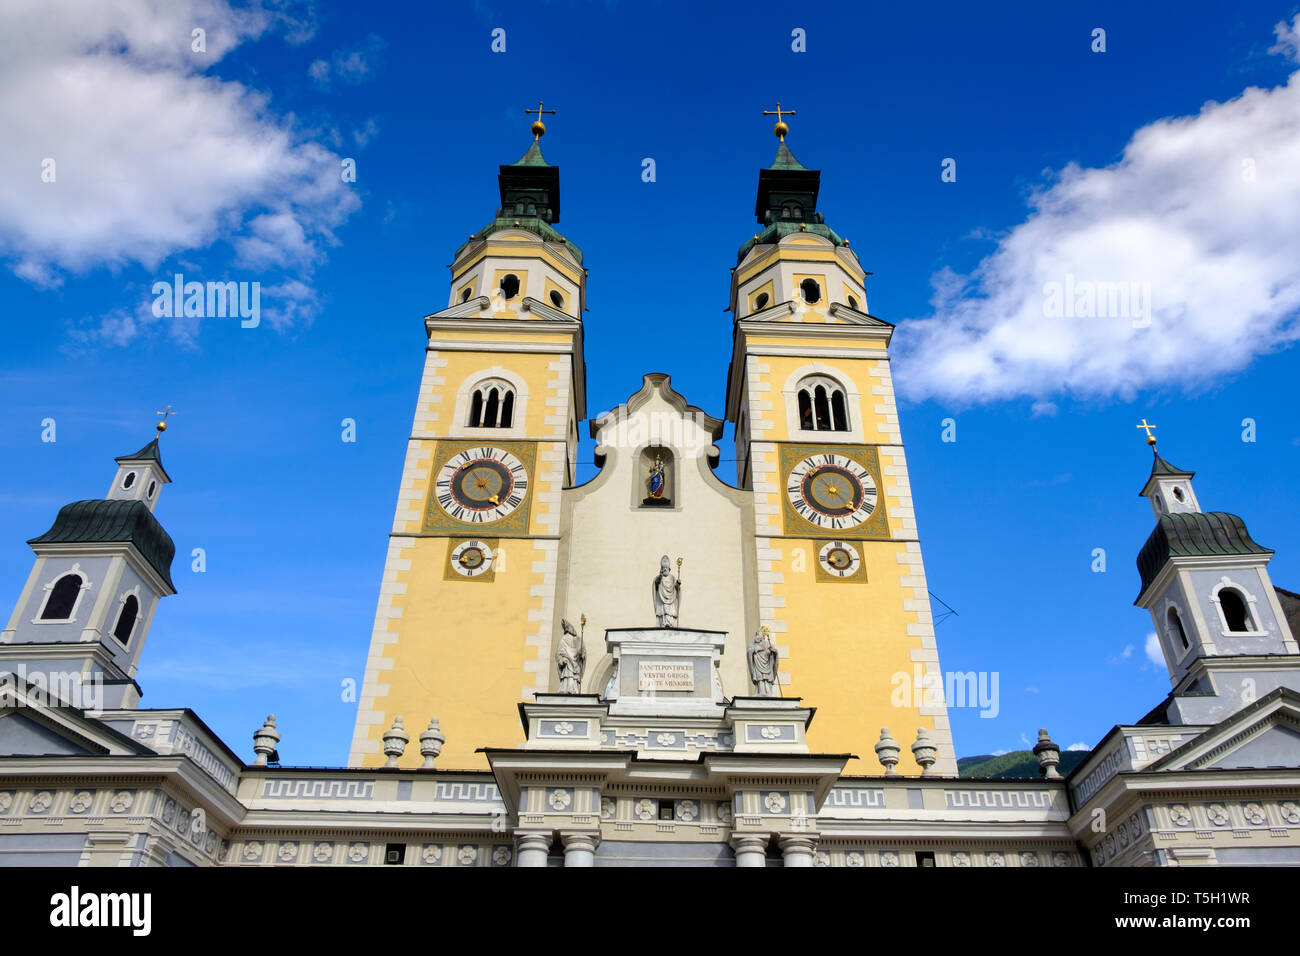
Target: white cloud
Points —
{"points": [[154, 154], [1288, 39], [999, 753], [1197, 221], [348, 66], [1154, 654], [1126, 653], [1043, 410], [1078, 746]]}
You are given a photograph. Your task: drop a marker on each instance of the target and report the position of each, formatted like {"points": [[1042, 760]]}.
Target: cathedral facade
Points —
{"points": [[654, 666]]}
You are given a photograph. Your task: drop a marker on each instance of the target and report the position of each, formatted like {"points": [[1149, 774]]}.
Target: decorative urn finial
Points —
{"points": [[925, 751], [887, 752], [1048, 754], [265, 740], [431, 742], [395, 740]]}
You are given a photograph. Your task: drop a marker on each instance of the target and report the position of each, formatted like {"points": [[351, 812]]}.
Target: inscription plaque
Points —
{"points": [[665, 676]]}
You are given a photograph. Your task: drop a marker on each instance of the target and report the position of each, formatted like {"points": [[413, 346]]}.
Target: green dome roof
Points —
{"points": [[127, 522], [1194, 533]]}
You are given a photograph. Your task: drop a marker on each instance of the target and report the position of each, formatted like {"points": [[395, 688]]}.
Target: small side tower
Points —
{"points": [[84, 614], [1219, 619]]}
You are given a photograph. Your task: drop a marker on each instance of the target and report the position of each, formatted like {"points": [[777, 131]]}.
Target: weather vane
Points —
{"points": [[538, 127], [1151, 439], [162, 425], [781, 128]]}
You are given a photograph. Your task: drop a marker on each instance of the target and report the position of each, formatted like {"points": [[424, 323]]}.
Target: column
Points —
{"points": [[751, 849], [579, 848], [798, 850], [532, 849]]}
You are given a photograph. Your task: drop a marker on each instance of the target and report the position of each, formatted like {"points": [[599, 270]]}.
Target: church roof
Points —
{"points": [[1163, 469], [1191, 534], [786, 203], [101, 520], [149, 452], [785, 159], [530, 200], [533, 156]]}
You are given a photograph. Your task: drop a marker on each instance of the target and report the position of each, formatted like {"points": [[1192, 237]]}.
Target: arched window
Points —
{"points": [[760, 301], [1235, 612], [492, 405], [63, 598], [822, 405], [1174, 625], [811, 290], [126, 619], [465, 293], [853, 304], [510, 285]]}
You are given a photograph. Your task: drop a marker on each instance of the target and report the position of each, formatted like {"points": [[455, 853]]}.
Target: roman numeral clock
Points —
{"points": [[480, 488], [834, 493]]}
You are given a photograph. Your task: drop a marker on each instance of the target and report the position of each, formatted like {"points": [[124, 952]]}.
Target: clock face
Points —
{"points": [[471, 558], [832, 491], [839, 559], [481, 485]]}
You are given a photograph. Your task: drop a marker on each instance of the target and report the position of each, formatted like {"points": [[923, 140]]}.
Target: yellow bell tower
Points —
{"points": [[464, 622], [841, 583]]}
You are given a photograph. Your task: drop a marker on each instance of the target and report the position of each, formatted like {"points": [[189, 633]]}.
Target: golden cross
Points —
{"points": [[778, 111], [162, 425], [538, 122], [1151, 439], [781, 128]]}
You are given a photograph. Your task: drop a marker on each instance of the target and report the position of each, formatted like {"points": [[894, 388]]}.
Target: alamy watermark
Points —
{"points": [[52, 689], [208, 300], [955, 688], [1085, 299]]}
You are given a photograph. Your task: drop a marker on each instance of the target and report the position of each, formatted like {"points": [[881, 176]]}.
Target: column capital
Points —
{"points": [[532, 840], [751, 842], [807, 842], [583, 840]]}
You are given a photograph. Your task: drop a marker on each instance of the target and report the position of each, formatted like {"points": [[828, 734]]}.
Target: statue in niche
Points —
{"points": [[657, 482], [571, 658], [657, 478], [763, 660], [666, 590]]}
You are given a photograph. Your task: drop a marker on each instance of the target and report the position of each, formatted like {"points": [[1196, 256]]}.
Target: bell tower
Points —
{"points": [[466, 606], [101, 569], [1219, 619], [841, 582]]}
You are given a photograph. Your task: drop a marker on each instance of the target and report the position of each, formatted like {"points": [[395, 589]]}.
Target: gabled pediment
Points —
{"points": [[781, 312], [36, 722], [23, 736], [1265, 734]]}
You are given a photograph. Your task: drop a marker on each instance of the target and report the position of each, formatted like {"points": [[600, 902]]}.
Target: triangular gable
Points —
{"points": [[20, 736], [1265, 734], [44, 721]]}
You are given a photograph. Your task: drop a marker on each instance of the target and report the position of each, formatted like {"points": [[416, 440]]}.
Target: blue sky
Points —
{"points": [[224, 165]]}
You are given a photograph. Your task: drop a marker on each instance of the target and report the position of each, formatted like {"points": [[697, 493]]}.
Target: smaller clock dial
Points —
{"points": [[839, 558], [471, 558]]}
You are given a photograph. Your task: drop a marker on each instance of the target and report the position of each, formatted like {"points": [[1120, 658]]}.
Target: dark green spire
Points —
{"points": [[785, 159], [530, 188], [533, 157]]}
